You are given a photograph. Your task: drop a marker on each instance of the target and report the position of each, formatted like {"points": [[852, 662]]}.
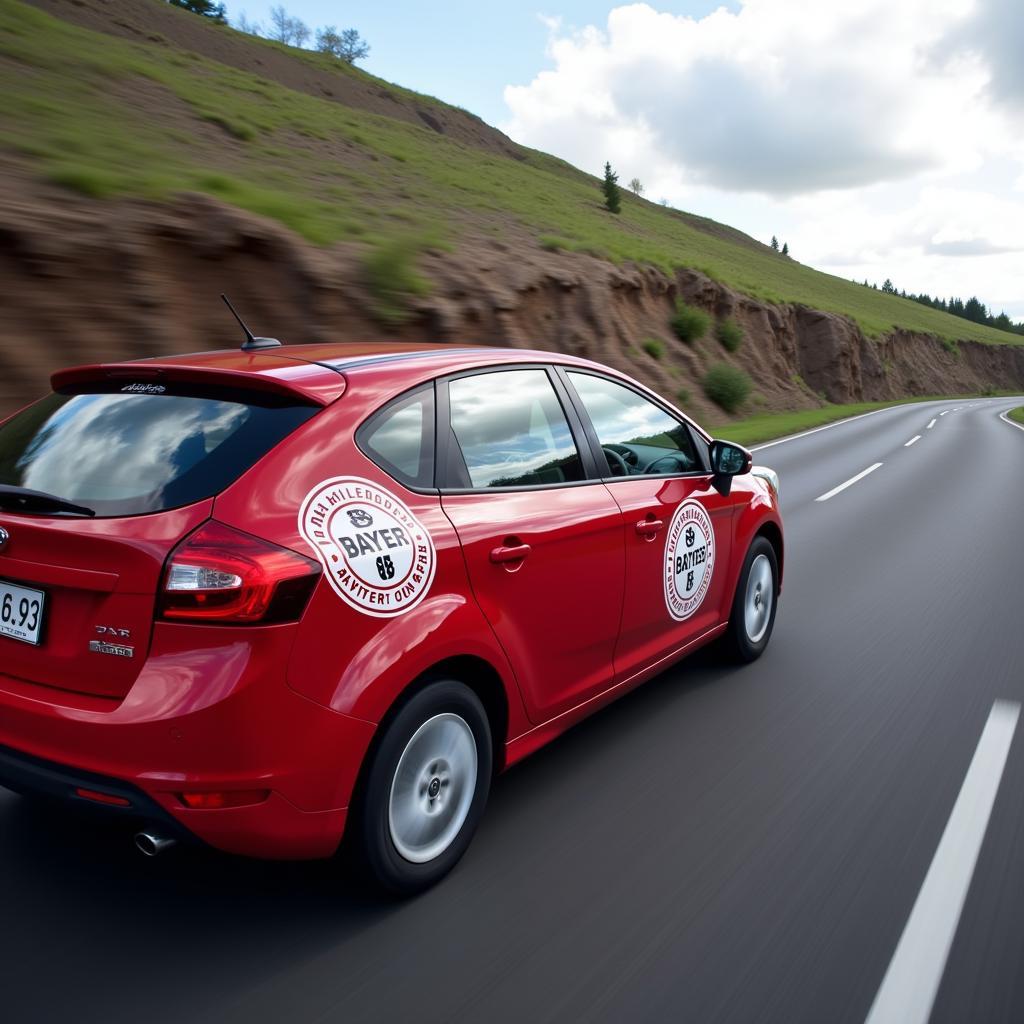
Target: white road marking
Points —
{"points": [[827, 426], [913, 440], [848, 483], [932, 424], [943, 413], [1006, 418], [910, 984]]}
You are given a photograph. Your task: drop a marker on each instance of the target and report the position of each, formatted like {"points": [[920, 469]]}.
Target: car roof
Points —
{"points": [[317, 372]]}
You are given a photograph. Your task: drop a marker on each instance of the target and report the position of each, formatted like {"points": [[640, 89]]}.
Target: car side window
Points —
{"points": [[509, 430], [400, 438], [636, 436]]}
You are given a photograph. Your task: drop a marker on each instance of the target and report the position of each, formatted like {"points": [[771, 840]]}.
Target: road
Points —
{"points": [[724, 844]]}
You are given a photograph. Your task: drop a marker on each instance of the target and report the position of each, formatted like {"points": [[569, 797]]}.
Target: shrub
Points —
{"points": [[951, 347], [392, 279], [727, 386], [683, 394], [730, 335], [689, 323], [654, 348]]}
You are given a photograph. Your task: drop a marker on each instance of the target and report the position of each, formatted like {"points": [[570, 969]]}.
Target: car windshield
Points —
{"points": [[129, 454]]}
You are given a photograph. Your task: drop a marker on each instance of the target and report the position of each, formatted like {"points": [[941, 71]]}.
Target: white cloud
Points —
{"points": [[885, 130]]}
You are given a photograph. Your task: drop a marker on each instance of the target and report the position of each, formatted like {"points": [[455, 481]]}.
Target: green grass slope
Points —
{"points": [[108, 117]]}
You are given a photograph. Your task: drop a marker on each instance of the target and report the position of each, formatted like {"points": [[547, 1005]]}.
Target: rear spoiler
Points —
{"points": [[310, 383]]}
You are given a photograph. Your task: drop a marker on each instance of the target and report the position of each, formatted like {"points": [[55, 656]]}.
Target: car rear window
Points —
{"points": [[130, 454]]}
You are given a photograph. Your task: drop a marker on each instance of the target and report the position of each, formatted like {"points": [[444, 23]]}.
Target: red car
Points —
{"points": [[270, 597]]}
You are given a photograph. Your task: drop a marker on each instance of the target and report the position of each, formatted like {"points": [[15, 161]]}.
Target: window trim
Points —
{"points": [[595, 444], [445, 433], [371, 421]]}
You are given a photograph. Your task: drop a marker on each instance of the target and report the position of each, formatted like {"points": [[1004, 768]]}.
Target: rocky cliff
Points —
{"points": [[87, 281]]}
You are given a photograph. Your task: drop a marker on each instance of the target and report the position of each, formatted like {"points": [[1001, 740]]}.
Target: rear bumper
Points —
{"points": [[216, 719]]}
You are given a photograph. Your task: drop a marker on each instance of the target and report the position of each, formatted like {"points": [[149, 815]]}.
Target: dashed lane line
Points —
{"points": [[848, 483], [912, 980]]}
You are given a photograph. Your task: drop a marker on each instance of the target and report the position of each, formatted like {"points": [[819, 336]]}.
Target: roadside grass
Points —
{"points": [[770, 426], [333, 173], [1017, 414]]}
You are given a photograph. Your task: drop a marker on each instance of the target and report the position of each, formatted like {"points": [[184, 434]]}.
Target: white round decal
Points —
{"points": [[689, 559], [378, 556]]}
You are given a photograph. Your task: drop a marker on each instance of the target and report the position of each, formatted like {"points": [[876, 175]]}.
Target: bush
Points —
{"points": [[392, 279], [730, 335], [690, 324], [654, 348], [727, 386], [683, 394]]}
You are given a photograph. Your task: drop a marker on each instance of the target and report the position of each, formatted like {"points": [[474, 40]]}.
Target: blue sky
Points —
{"points": [[461, 51], [825, 123]]}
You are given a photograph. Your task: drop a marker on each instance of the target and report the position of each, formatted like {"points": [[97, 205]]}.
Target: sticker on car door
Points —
{"points": [[378, 556], [689, 559]]}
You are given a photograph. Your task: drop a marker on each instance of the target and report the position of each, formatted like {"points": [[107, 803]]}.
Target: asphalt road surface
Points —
{"points": [[721, 845]]}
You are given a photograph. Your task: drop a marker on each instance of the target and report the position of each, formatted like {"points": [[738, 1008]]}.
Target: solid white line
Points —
{"points": [[932, 424], [849, 483], [827, 426], [910, 984], [943, 413], [913, 440], [1006, 418]]}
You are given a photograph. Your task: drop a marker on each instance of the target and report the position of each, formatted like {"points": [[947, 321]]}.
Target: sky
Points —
{"points": [[879, 138]]}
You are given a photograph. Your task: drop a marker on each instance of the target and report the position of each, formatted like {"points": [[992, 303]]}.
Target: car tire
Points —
{"points": [[425, 788], [752, 618]]}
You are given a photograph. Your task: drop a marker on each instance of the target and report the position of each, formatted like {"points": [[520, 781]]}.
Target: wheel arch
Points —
{"points": [[773, 534]]}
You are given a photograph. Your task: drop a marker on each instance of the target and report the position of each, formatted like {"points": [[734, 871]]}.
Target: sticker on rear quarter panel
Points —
{"points": [[689, 559], [378, 556]]}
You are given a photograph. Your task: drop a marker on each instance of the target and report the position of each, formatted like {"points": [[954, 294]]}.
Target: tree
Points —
{"points": [[347, 45], [286, 29], [206, 8], [785, 248], [250, 28], [636, 187], [775, 243], [888, 287], [610, 188]]}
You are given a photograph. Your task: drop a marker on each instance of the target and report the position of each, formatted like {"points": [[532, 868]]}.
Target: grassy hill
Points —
{"points": [[160, 101]]}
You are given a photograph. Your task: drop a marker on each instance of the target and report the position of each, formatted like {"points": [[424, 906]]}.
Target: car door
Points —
{"points": [[678, 527], [542, 537]]}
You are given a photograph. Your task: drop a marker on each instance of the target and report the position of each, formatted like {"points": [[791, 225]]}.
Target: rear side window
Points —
{"points": [[400, 438], [511, 431], [124, 455]]}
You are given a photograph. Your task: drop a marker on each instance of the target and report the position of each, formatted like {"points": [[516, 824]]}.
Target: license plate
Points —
{"points": [[21, 612]]}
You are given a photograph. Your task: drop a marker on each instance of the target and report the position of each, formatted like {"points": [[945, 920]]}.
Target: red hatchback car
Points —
{"points": [[266, 598]]}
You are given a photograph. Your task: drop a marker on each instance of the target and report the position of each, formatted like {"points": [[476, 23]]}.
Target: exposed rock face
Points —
{"points": [[92, 282]]}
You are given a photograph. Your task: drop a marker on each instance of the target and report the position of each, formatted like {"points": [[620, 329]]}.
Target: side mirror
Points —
{"points": [[728, 460]]}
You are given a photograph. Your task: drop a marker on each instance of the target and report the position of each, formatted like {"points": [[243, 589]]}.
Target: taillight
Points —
{"points": [[221, 575]]}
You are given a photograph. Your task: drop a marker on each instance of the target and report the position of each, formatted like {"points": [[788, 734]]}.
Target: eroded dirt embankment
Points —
{"points": [[83, 282]]}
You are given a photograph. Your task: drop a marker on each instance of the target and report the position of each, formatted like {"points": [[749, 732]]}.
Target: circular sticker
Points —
{"points": [[378, 556], [689, 559]]}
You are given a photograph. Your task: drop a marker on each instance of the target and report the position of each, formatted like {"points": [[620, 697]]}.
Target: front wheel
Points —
{"points": [[426, 788], [753, 608]]}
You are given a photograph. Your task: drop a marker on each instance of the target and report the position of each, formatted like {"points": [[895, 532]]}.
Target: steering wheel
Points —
{"points": [[677, 468], [615, 461]]}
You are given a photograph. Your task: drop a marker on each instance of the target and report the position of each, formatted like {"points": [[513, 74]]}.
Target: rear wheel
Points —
{"points": [[426, 788], [753, 608]]}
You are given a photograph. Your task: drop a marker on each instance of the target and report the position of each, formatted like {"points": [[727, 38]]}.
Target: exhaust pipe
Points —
{"points": [[151, 844]]}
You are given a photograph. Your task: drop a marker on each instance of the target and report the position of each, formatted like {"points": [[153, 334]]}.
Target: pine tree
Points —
{"points": [[610, 188], [785, 248], [207, 8], [775, 243]]}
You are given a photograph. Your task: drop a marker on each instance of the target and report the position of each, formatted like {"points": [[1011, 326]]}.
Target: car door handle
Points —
{"points": [[646, 526], [509, 553]]}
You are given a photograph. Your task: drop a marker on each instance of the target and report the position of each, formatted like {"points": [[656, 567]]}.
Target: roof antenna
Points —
{"points": [[251, 341]]}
